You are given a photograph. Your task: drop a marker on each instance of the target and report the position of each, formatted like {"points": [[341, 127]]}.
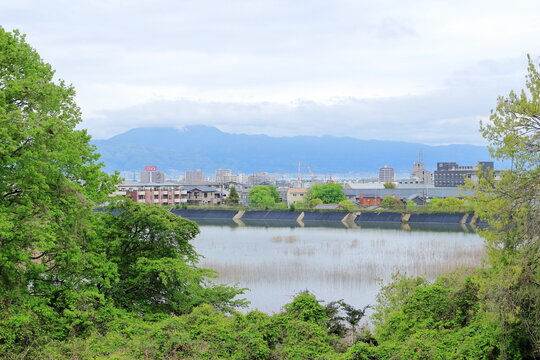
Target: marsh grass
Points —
{"points": [[430, 261], [337, 263]]}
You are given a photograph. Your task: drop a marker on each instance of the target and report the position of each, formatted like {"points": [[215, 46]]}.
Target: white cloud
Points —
{"points": [[240, 64]]}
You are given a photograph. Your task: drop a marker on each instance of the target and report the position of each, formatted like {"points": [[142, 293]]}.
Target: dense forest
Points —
{"points": [[123, 282]]}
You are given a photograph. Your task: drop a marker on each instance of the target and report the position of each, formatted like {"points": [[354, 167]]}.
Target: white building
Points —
{"points": [[386, 174]]}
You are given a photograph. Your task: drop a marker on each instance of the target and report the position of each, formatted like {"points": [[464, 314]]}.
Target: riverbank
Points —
{"points": [[246, 216]]}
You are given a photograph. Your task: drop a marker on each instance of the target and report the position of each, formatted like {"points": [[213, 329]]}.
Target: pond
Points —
{"points": [[334, 263]]}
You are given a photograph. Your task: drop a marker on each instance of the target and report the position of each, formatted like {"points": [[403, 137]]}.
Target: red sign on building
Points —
{"points": [[150, 168]]}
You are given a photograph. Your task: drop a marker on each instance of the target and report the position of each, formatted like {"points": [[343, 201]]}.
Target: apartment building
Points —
{"points": [[386, 174], [150, 193]]}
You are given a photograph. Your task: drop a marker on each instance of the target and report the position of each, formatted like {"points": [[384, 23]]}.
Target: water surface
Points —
{"points": [[334, 263]]}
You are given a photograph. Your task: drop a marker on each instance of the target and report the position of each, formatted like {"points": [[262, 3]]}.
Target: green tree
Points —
{"points": [[233, 198], [391, 202], [511, 205], [410, 205], [149, 248], [329, 193], [264, 195], [315, 202], [64, 268], [494, 311], [450, 204], [389, 185], [340, 312], [347, 205], [275, 193], [49, 184]]}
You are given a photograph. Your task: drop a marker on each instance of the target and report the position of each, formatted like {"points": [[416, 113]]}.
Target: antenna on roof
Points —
{"points": [[420, 156]]}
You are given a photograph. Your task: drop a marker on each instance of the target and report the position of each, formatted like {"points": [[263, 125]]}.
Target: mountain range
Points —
{"points": [[208, 149]]}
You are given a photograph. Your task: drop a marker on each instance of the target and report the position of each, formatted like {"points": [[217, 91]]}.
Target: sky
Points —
{"points": [[423, 71]]}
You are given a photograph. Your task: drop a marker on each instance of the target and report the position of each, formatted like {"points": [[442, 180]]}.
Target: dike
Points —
{"points": [[196, 214], [257, 217]]}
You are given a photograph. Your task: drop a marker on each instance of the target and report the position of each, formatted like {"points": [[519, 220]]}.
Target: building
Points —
{"points": [[450, 174], [367, 200], [151, 175], [386, 174], [194, 177], [370, 196], [150, 193], [204, 195], [295, 195], [224, 175], [260, 178], [420, 175]]}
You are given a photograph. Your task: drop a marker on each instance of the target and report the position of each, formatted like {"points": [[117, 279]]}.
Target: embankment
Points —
{"points": [[293, 218]]}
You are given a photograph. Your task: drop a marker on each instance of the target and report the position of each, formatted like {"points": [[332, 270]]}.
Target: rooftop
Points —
{"points": [[297, 190]]}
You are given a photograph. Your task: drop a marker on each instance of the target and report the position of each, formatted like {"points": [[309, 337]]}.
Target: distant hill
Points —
{"points": [[207, 148]]}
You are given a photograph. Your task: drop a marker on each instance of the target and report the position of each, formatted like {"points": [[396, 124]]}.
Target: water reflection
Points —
{"points": [[334, 263]]}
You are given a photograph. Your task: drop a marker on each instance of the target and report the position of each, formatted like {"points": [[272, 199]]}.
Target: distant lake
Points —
{"points": [[334, 263]]}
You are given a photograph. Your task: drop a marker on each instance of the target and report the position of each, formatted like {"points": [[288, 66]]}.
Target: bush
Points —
{"points": [[391, 202]]}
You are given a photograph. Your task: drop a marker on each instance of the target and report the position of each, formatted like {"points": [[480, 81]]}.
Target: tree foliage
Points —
{"points": [[329, 193], [389, 185], [347, 205], [264, 195], [315, 202], [49, 179], [153, 262], [233, 198], [449, 204], [391, 202], [511, 205], [493, 312], [65, 269]]}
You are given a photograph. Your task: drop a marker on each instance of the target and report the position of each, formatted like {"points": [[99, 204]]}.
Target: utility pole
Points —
{"points": [[299, 173]]}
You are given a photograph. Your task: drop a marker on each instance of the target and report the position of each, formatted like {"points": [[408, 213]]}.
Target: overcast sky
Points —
{"points": [[418, 70]]}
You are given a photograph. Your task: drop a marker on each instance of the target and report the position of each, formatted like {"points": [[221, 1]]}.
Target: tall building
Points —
{"points": [[157, 177], [386, 174], [194, 177], [421, 175], [450, 174], [224, 175]]}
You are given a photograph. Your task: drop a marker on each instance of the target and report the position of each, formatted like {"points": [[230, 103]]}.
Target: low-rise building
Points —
{"points": [[368, 200], [295, 195], [203, 195], [362, 196]]}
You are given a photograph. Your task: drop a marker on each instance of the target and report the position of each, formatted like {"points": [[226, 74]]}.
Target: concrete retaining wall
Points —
{"points": [[271, 223], [309, 217], [442, 218], [378, 217], [324, 216], [270, 215], [205, 214]]}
